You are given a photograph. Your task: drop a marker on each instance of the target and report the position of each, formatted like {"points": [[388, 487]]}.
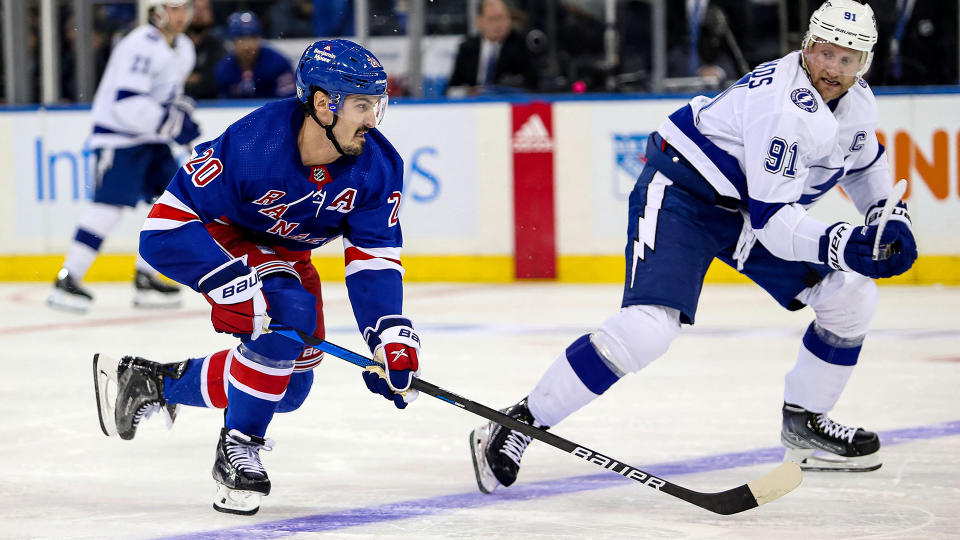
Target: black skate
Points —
{"points": [[153, 292], [241, 479], [131, 390], [68, 295], [817, 443], [497, 450]]}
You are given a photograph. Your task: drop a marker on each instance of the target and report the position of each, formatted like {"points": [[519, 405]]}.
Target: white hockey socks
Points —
{"points": [[95, 225]]}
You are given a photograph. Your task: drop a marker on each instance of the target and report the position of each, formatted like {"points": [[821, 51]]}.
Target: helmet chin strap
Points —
{"points": [[329, 130]]}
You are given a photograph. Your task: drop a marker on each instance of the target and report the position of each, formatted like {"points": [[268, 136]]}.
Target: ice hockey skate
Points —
{"points": [[241, 479], [817, 443], [130, 391], [153, 292], [497, 450], [68, 295]]}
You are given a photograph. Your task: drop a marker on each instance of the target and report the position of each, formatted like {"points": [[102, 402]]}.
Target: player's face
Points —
{"points": [[833, 69], [178, 17], [358, 115]]}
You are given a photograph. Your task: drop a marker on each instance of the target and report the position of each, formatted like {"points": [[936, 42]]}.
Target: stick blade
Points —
{"points": [[776, 483]]}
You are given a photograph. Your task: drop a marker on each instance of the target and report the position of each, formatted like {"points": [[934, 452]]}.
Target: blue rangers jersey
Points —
{"points": [[771, 143], [252, 177], [143, 75]]}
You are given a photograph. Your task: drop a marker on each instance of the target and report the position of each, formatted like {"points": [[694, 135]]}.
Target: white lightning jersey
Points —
{"points": [[771, 142], [143, 75]]}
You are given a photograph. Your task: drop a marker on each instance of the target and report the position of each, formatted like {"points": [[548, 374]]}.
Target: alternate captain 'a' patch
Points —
{"points": [[804, 98]]}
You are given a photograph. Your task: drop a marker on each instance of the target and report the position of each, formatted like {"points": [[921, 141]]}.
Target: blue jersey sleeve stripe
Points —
{"points": [[880, 152], [727, 164], [101, 129], [761, 212], [821, 188], [124, 94]]}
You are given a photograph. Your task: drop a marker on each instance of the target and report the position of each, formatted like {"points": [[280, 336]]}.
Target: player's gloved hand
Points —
{"points": [[899, 221], [850, 248], [234, 292], [177, 123], [397, 347]]}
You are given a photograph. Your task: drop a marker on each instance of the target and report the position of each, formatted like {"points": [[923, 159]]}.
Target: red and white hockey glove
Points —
{"points": [[397, 347], [234, 292]]}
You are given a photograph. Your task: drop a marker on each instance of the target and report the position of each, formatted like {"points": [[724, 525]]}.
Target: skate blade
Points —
{"points": [[814, 460], [236, 501], [486, 481], [68, 302], [156, 300], [105, 388], [169, 412]]}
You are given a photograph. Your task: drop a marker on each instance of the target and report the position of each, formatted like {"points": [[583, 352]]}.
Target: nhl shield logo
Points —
{"points": [[320, 176], [804, 98], [630, 153]]}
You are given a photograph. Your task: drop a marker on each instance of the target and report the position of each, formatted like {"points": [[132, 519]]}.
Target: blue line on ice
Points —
{"points": [[521, 492]]}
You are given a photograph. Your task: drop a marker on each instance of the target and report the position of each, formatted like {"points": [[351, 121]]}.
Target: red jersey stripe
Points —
{"points": [[163, 211], [259, 381]]}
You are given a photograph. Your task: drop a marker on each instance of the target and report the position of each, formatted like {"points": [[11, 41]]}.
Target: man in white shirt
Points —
{"points": [[496, 58]]}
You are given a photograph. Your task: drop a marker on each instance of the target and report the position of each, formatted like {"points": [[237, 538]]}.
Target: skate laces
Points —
{"points": [[145, 411], [514, 445], [244, 453], [835, 429]]}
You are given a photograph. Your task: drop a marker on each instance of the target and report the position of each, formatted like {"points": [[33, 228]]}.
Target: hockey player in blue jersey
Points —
{"points": [[237, 224], [731, 178], [138, 111], [252, 70]]}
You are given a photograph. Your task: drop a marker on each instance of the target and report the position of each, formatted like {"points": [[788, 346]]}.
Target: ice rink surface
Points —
{"points": [[349, 465]]}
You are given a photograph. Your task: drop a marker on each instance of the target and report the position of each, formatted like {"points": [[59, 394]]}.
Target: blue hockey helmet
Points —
{"points": [[242, 24], [340, 68]]}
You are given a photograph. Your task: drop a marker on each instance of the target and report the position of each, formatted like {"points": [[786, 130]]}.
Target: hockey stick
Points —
{"points": [[772, 485], [896, 193]]}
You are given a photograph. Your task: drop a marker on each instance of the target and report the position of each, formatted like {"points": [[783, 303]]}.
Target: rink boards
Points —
{"points": [[494, 190]]}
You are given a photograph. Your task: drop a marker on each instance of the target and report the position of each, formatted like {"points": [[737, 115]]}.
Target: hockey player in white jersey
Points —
{"points": [[731, 178], [139, 109]]}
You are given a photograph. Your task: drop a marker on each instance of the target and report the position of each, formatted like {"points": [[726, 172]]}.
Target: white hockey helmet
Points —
{"points": [[846, 23], [172, 3], [159, 16]]}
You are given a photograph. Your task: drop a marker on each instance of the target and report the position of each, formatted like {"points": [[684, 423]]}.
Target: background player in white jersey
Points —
{"points": [[730, 178], [139, 109]]}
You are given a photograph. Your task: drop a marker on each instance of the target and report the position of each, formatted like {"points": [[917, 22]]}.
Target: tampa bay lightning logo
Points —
{"points": [[804, 98]]}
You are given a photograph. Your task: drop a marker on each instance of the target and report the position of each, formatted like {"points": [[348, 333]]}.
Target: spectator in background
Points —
{"points": [[202, 83], [918, 43], [497, 57], [706, 46], [252, 70], [292, 19]]}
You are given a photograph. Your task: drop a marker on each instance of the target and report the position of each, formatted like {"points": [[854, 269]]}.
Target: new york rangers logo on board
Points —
{"points": [[630, 153]]}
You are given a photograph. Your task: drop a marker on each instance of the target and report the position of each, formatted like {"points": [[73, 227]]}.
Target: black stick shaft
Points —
{"points": [[727, 502]]}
